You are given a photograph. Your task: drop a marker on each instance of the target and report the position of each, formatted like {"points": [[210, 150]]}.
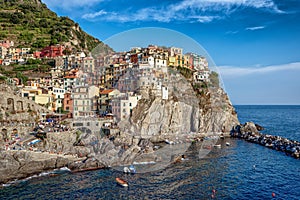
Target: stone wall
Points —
{"points": [[17, 114]]}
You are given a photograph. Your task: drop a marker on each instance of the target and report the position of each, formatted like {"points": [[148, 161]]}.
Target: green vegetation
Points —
{"points": [[27, 70], [2, 79], [29, 23], [187, 73], [214, 79], [78, 134], [22, 77]]}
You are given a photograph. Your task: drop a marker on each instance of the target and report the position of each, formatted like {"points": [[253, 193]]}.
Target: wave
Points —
{"points": [[144, 163], [54, 172]]}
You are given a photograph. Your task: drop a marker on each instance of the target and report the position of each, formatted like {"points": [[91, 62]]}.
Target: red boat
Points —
{"points": [[122, 182]]}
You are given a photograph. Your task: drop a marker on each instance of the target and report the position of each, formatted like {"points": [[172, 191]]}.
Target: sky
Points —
{"points": [[255, 44]]}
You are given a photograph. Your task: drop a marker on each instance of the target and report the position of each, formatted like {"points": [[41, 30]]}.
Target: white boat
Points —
{"points": [[126, 170], [132, 169], [227, 144], [217, 145], [169, 142]]}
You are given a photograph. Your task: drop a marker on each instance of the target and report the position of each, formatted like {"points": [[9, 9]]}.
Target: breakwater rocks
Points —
{"points": [[249, 132]]}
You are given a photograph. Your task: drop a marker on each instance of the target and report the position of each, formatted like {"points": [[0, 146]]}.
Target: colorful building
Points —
{"points": [[52, 51]]}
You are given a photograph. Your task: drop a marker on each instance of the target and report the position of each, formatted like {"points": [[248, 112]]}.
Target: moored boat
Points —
{"points": [[126, 170], [122, 182], [132, 169]]}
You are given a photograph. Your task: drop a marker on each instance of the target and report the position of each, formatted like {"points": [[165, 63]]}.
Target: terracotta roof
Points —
{"points": [[70, 77], [106, 91]]}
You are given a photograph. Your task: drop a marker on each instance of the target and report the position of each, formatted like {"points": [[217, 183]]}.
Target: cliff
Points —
{"points": [[187, 109]]}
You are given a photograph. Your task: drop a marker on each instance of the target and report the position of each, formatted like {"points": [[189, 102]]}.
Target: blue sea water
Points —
{"points": [[240, 171]]}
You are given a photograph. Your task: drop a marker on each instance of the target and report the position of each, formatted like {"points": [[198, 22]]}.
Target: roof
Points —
{"points": [[70, 76], [106, 91]]}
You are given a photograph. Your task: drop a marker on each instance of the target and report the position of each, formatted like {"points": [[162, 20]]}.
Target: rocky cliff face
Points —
{"points": [[186, 110]]}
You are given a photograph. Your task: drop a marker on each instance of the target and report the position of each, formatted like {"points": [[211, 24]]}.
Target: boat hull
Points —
{"points": [[122, 182]]}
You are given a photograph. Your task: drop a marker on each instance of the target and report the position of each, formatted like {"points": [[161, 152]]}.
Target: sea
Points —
{"points": [[240, 171]]}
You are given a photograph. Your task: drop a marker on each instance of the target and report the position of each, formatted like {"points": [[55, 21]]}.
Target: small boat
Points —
{"points": [[227, 144], [169, 142], [122, 182], [132, 169], [126, 170], [217, 145]]}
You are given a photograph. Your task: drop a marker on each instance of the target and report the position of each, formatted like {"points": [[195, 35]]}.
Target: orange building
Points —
{"points": [[68, 103]]}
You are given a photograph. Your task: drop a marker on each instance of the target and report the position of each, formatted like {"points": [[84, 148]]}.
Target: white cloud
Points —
{"points": [[203, 11], [93, 15], [204, 19], [231, 32], [254, 28], [231, 71], [226, 6]]}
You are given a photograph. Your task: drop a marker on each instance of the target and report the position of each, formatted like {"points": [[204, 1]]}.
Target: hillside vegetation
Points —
{"points": [[29, 23]]}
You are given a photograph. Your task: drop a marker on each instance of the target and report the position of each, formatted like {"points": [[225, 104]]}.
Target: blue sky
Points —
{"points": [[255, 43]]}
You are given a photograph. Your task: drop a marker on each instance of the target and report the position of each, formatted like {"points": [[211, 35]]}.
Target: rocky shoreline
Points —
{"points": [[88, 152], [250, 132]]}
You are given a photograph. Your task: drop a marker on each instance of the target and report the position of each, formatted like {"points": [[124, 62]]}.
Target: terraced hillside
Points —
{"points": [[30, 23]]}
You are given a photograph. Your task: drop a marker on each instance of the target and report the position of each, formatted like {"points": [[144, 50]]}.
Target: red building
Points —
{"points": [[52, 51], [134, 58]]}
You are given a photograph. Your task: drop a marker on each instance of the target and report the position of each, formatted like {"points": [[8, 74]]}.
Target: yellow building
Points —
{"points": [[44, 100], [31, 92]]}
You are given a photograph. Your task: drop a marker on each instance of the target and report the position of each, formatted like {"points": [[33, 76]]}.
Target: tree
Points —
{"points": [[22, 77]]}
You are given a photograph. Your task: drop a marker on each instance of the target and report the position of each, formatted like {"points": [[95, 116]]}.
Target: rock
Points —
{"points": [[250, 127], [258, 127], [249, 132], [185, 111]]}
